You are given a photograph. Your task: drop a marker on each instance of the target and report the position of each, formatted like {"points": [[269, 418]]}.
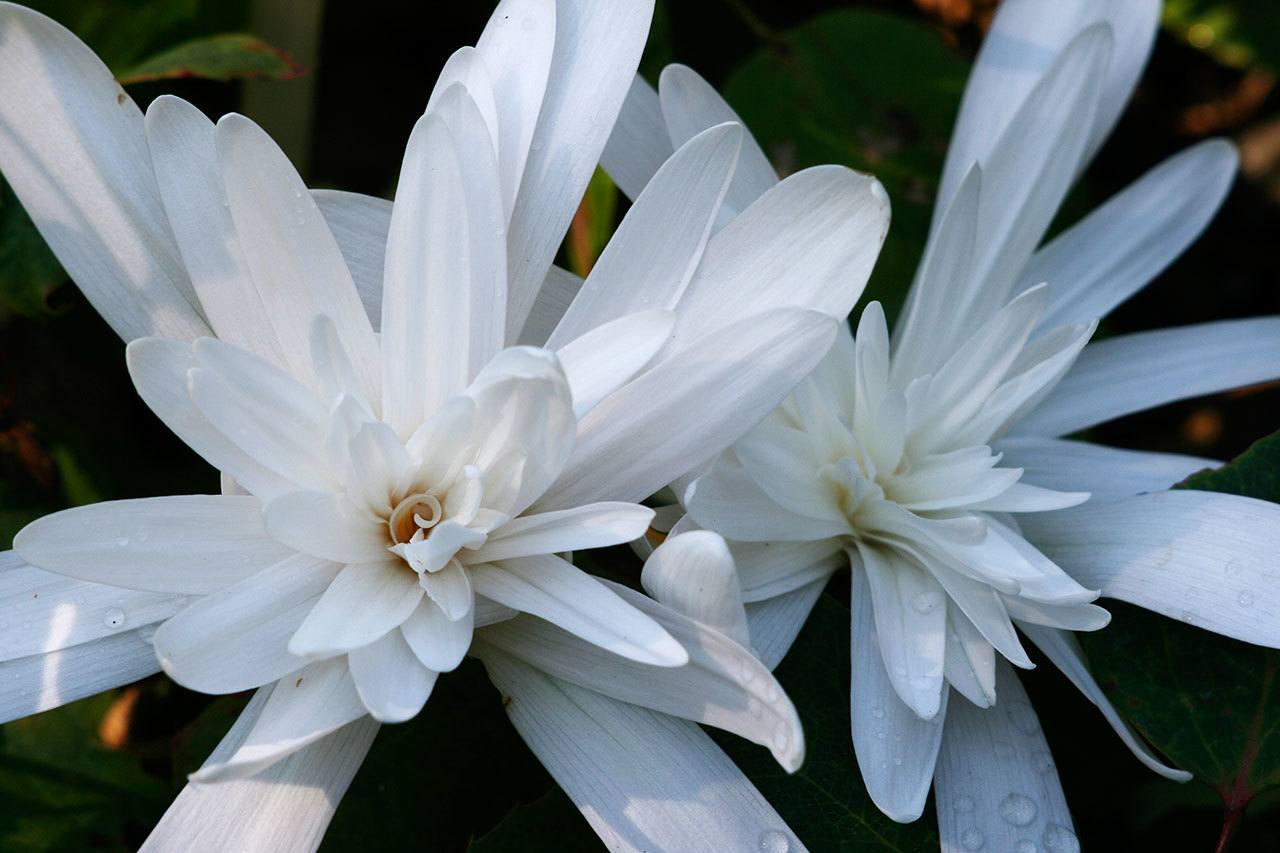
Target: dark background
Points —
{"points": [[98, 774]]}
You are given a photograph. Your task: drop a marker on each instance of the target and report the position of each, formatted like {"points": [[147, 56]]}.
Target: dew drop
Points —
{"points": [[1018, 809], [1043, 761], [1026, 846], [964, 805], [926, 602], [114, 618], [781, 737], [774, 841], [123, 542], [972, 839], [1245, 598], [535, 145], [877, 712], [1059, 839], [897, 762]]}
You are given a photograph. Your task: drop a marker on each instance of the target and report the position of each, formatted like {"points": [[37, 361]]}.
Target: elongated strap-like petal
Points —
{"points": [[590, 526], [644, 781], [551, 588], [995, 783], [46, 612], [190, 544], [360, 224], [73, 147], [639, 144], [364, 602], [688, 407], [597, 50], [391, 681], [287, 806], [693, 573], [605, 358], [653, 254], [1202, 557], [896, 749], [1104, 472], [1130, 373]]}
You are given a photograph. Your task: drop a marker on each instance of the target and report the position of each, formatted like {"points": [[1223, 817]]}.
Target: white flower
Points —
{"points": [[931, 462], [274, 370]]}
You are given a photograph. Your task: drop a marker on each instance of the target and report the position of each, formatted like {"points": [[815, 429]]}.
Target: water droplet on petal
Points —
{"points": [[114, 618], [1245, 598], [964, 804], [774, 841], [877, 712], [927, 602], [1018, 809], [123, 542], [1026, 846], [1060, 839], [972, 839]]}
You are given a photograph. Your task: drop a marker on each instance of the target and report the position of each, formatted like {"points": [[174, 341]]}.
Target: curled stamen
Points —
{"points": [[413, 516]]}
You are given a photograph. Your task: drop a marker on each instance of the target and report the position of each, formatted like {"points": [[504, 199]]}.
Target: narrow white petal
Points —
{"points": [[809, 242], [996, 781], [38, 682], [1105, 472], [896, 749], [73, 147], [438, 641], [689, 406], [643, 780], [392, 683], [450, 590], [653, 254], [192, 544], [237, 638], [359, 224], [548, 587], [364, 602], [1133, 372], [693, 574], [768, 569], [1061, 648], [302, 709], [640, 143], [289, 805], [326, 525], [597, 50], [181, 141], [730, 501], [295, 262], [1202, 557], [590, 526], [554, 297], [605, 358], [45, 612], [723, 685]]}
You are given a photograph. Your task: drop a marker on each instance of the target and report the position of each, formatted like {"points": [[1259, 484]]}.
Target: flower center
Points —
{"points": [[413, 518]]}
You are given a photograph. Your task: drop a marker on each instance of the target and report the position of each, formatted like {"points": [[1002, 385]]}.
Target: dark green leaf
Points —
{"points": [[228, 56], [550, 824], [1255, 473], [872, 91], [825, 802]]}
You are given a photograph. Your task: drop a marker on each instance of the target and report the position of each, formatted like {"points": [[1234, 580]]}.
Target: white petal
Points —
{"points": [[640, 143], [1130, 373], [73, 148], [465, 71], [301, 709], [693, 574], [327, 526], [295, 261], [783, 464], [597, 50], [643, 780], [689, 406], [910, 628], [723, 684], [896, 749], [605, 358], [590, 526], [690, 105], [971, 660], [192, 544], [237, 638], [553, 299], [438, 641], [391, 681], [548, 587], [1115, 251], [995, 780], [359, 224], [776, 622], [768, 569], [45, 612], [730, 501], [1023, 497], [1020, 46], [289, 805], [364, 602], [809, 242], [517, 48], [38, 682], [1202, 557], [653, 254], [181, 141], [450, 589], [1105, 472]]}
